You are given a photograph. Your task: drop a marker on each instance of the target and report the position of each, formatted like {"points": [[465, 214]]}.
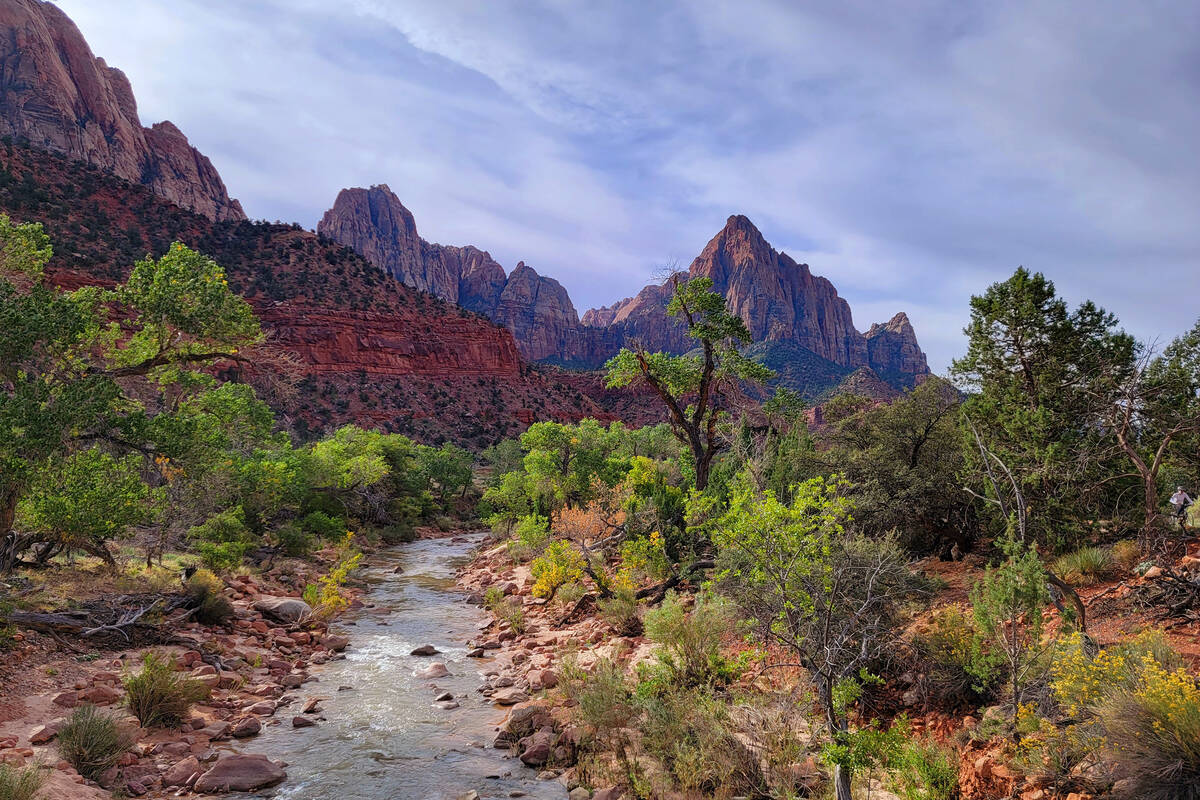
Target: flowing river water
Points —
{"points": [[383, 738]]}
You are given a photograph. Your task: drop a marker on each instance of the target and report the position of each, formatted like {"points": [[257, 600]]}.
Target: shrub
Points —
{"points": [[92, 741], [324, 526], [925, 770], [691, 642], [691, 734], [222, 540], [1085, 566], [532, 536], [294, 540], [327, 595], [159, 696], [512, 611], [568, 594], [21, 783], [620, 611], [1126, 554], [603, 701], [1152, 733], [644, 557], [493, 596], [952, 662], [1081, 682], [206, 591], [559, 564]]}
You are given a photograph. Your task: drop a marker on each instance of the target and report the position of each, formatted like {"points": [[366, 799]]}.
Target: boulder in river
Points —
{"points": [[244, 772], [435, 670], [425, 650], [283, 609]]}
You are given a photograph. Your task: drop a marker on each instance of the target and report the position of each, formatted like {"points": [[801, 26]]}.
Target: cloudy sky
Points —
{"points": [[912, 152]]}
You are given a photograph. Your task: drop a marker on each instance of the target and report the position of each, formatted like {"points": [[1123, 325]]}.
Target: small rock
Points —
{"points": [[509, 697], [181, 773], [303, 722], [578, 793], [425, 650], [245, 727]]}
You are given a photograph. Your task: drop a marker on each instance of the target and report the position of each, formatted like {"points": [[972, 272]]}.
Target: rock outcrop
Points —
{"points": [[781, 301], [58, 96]]}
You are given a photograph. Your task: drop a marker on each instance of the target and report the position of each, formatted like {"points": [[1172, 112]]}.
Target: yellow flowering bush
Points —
{"points": [[327, 596], [1080, 682], [558, 565]]}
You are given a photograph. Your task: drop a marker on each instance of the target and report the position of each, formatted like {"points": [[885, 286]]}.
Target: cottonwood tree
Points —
{"points": [[830, 597], [77, 367], [704, 380]]}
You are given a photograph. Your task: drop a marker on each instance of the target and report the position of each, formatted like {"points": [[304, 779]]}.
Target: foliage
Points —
{"points": [[1085, 566], [92, 741], [1035, 369], [293, 540], [559, 564], [690, 642], [323, 526], [645, 557], [833, 599], [708, 378], [1152, 732], [955, 666], [21, 783], [925, 770], [159, 696], [1008, 606], [207, 593], [620, 611], [532, 536], [902, 461], [89, 499], [1126, 554], [222, 540], [1081, 681], [447, 469], [327, 596]]}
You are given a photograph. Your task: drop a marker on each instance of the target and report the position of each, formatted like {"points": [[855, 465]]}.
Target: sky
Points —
{"points": [[913, 151]]}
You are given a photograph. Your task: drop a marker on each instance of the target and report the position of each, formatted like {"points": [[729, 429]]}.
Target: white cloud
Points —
{"points": [[911, 152]]}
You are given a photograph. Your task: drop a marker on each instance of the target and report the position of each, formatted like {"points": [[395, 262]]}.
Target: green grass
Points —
{"points": [[1085, 566], [21, 783]]}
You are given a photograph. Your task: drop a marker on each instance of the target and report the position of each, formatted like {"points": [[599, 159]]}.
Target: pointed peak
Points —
{"points": [[741, 224], [897, 324]]}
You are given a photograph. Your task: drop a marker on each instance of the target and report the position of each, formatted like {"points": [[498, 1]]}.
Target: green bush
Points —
{"points": [[951, 660], [294, 540], [691, 642], [621, 612], [1085, 566], [92, 741], [532, 536], [222, 540], [324, 526], [159, 696], [603, 701], [925, 770], [207, 593], [21, 783]]}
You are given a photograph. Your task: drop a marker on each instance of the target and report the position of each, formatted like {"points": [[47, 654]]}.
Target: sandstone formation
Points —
{"points": [[58, 96], [781, 301]]}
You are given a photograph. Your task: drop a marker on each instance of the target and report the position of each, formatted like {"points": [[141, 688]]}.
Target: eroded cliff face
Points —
{"points": [[57, 95], [780, 300]]}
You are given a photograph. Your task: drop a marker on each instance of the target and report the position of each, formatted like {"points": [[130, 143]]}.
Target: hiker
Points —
{"points": [[1181, 501]]}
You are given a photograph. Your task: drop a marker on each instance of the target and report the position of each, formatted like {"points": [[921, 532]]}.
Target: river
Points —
{"points": [[383, 738]]}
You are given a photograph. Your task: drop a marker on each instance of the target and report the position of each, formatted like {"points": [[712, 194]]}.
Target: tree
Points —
{"points": [[1154, 407], [830, 597], [903, 460], [447, 468], [87, 500], [1008, 603], [77, 367], [707, 380], [1032, 367]]}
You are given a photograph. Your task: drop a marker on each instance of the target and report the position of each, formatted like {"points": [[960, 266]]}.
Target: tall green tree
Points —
{"points": [[1032, 366], [78, 368], [693, 387]]}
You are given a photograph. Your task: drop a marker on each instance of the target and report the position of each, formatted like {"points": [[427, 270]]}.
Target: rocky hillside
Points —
{"points": [[370, 350], [55, 94], [803, 328]]}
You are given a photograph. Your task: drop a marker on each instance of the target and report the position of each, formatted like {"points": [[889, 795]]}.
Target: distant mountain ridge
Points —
{"points": [[780, 300]]}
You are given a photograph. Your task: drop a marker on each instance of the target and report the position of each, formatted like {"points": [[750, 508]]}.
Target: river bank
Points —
{"points": [[276, 704]]}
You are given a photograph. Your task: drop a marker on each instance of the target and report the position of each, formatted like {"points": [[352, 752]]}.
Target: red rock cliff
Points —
{"points": [[58, 96]]}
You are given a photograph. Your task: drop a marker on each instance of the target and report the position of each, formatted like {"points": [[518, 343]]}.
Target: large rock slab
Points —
{"points": [[283, 609], [245, 772]]}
